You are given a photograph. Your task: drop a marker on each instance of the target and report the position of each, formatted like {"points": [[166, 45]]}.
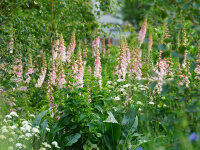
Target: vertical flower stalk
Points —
{"points": [[19, 71], [78, 71], [30, 70], [197, 69], [95, 45], [61, 78], [185, 54], [56, 49], [50, 97], [136, 65], [43, 73], [150, 45], [62, 50], [142, 33], [71, 48], [97, 69], [53, 74], [123, 61]]}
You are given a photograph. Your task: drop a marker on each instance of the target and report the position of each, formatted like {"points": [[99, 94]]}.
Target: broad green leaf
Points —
{"points": [[71, 139], [39, 117]]}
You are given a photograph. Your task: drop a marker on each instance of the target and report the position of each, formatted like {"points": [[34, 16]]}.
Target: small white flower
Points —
{"points": [[21, 136], [8, 116], [10, 140], [35, 130], [4, 131], [152, 103], [140, 109], [117, 98], [109, 82], [126, 85], [19, 145], [120, 80], [13, 127], [25, 122], [10, 148], [42, 148], [135, 88], [121, 90], [55, 144], [28, 134], [2, 137], [4, 127], [13, 133], [46, 145], [139, 103], [14, 114], [48, 130], [32, 115]]}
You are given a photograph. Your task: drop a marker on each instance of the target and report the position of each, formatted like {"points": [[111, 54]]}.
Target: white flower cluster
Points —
{"points": [[19, 133]]}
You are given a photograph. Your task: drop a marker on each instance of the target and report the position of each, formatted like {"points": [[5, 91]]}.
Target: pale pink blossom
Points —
{"points": [[62, 49], [142, 33], [97, 69], [71, 48]]}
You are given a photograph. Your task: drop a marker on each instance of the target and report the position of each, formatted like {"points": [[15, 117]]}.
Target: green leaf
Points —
{"points": [[39, 117], [111, 118], [43, 128], [71, 139]]}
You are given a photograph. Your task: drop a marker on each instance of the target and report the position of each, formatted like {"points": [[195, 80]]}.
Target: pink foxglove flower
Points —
{"points": [[142, 33], [123, 61], [95, 45], [71, 48], [78, 72], [97, 69], [53, 75], [56, 49], [61, 78], [43, 73], [19, 71], [150, 44], [62, 49], [41, 77]]}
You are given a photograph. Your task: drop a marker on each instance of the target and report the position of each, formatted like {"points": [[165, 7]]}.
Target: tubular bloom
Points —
{"points": [[19, 71], [162, 69], [135, 67], [55, 49], [43, 73], [61, 78], [97, 69], [95, 45], [150, 44], [142, 33], [123, 61], [62, 49], [50, 97], [78, 72], [53, 75], [30, 71], [71, 48]]}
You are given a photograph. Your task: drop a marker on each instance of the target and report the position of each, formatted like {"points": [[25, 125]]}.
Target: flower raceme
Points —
{"points": [[62, 50], [142, 33], [97, 69], [71, 48]]}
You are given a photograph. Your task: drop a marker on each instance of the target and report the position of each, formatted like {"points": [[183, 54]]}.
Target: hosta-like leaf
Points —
{"points": [[71, 139]]}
